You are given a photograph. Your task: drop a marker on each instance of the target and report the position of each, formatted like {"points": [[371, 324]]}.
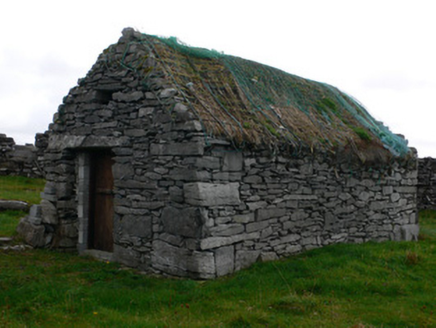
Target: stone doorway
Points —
{"points": [[95, 201], [101, 207]]}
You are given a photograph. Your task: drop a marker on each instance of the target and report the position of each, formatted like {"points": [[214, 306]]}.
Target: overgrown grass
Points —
{"points": [[391, 284], [21, 188]]}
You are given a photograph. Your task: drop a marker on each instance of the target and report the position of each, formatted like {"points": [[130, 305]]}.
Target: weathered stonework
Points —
{"points": [[21, 160], [192, 205], [427, 183]]}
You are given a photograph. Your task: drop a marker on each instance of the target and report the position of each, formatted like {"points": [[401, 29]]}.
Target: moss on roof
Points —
{"points": [[251, 103]]}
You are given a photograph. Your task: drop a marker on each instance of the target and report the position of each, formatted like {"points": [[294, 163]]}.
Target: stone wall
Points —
{"points": [[191, 205], [21, 160], [251, 206], [427, 183]]}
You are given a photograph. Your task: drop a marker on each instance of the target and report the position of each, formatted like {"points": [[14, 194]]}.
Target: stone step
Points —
{"points": [[15, 248], [5, 240], [17, 205]]}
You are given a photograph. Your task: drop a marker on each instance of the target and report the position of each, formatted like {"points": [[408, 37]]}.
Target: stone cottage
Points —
{"points": [[188, 162]]}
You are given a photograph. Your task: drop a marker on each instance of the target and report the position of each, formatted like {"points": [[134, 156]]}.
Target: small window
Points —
{"points": [[103, 96]]}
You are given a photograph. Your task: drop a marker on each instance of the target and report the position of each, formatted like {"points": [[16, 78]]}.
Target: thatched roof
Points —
{"points": [[253, 104]]}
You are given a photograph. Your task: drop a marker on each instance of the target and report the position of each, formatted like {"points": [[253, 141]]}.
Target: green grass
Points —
{"points": [[21, 188], [9, 221], [391, 284], [17, 188]]}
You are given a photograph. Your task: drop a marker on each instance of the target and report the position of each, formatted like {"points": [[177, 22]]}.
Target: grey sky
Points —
{"points": [[379, 51]]}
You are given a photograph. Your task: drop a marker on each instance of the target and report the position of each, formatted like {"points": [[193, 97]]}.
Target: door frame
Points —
{"points": [[100, 227], [84, 162]]}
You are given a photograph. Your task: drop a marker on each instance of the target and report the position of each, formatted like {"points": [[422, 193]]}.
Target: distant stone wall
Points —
{"points": [[427, 183], [20, 160]]}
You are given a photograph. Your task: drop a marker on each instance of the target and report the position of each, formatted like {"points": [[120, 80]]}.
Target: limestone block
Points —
{"points": [[49, 212], [410, 232], [208, 162], [177, 148], [185, 174], [364, 196], [292, 238], [244, 218], [268, 256], [211, 194], [215, 242], [180, 261], [32, 234], [395, 197], [244, 259], [128, 97], [69, 230], [268, 231], [232, 161], [187, 222], [345, 209], [256, 205], [13, 205], [66, 242], [227, 230], [35, 215], [225, 260], [267, 213], [292, 249], [378, 205], [202, 264], [387, 190], [126, 256], [299, 215], [145, 111], [122, 171], [135, 132], [64, 190], [188, 126], [137, 226], [256, 226], [300, 197], [168, 93], [253, 179]]}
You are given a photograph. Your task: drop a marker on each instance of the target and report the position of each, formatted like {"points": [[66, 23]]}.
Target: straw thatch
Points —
{"points": [[253, 104]]}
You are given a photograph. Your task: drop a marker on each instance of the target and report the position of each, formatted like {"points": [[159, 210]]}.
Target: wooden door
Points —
{"points": [[101, 202]]}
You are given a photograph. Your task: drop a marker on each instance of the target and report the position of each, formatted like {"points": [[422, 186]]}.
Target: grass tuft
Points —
{"points": [[412, 258]]}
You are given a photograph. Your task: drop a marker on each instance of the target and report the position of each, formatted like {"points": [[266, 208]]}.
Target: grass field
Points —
{"points": [[21, 188], [17, 188], [391, 284]]}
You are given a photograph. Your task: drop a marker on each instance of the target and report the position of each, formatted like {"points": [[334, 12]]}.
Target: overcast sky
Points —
{"points": [[382, 52]]}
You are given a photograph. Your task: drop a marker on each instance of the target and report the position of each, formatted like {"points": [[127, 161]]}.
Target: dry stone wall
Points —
{"points": [[191, 205], [427, 183], [255, 206], [21, 160]]}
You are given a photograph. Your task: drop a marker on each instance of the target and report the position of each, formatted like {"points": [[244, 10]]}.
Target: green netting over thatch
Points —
{"points": [[253, 103]]}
